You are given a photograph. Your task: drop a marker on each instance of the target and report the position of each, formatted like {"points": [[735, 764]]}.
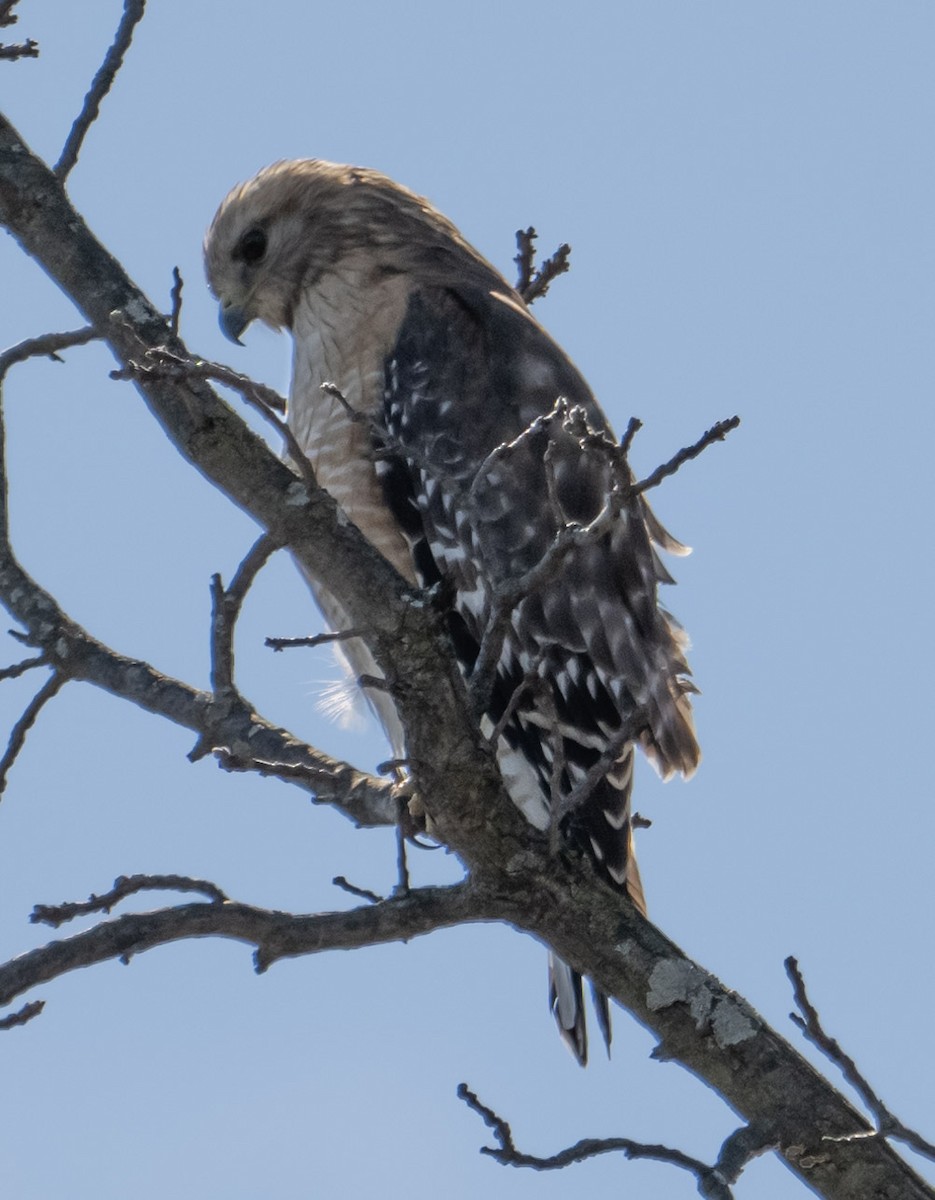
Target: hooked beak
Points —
{"points": [[233, 321]]}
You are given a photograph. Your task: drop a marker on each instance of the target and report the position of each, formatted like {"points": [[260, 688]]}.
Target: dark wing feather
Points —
{"points": [[481, 497]]}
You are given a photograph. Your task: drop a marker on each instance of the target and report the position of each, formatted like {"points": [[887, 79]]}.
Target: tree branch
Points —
{"points": [[52, 686], [26, 1013], [710, 1182], [100, 86], [124, 885], [47, 346], [275, 935], [886, 1124], [530, 283], [225, 609]]}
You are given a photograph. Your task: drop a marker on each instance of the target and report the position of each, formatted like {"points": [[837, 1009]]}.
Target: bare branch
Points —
{"points": [[404, 824], [175, 297], [367, 801], [174, 366], [532, 284], [634, 425], [359, 892], [17, 740], [162, 363], [887, 1125], [26, 1013], [717, 433], [46, 346], [512, 704], [124, 885], [27, 49], [100, 86], [742, 1147], [608, 759], [555, 265], [17, 50], [359, 418], [525, 258], [7, 16], [275, 935], [710, 1184], [318, 639], [242, 739], [18, 669], [225, 609]]}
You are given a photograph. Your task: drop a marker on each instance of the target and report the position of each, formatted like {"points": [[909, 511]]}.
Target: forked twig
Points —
{"points": [[710, 1182], [530, 283], [887, 1125]]}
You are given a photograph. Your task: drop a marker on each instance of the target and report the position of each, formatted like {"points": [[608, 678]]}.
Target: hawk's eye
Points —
{"points": [[252, 246]]}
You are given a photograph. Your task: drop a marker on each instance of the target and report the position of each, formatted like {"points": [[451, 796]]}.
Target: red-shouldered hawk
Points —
{"points": [[491, 442]]}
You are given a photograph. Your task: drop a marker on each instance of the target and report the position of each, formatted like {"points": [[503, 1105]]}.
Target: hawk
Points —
{"points": [[461, 443]]}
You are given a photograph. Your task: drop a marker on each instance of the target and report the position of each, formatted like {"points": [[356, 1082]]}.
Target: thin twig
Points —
{"points": [[531, 283], [100, 86], [176, 297], [225, 609], [26, 1013], [319, 639], [368, 802], [173, 366], [710, 1183], [525, 258], [359, 418], [513, 703], [555, 265], [887, 1125], [17, 50], [717, 433], [403, 819], [163, 363], [634, 425], [557, 770], [18, 733], [354, 890], [20, 668], [597, 772], [124, 886], [46, 346]]}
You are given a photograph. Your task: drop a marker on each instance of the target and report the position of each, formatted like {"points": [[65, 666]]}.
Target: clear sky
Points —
{"points": [[749, 193]]}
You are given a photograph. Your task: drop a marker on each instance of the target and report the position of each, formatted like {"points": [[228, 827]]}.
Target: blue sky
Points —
{"points": [[748, 192]]}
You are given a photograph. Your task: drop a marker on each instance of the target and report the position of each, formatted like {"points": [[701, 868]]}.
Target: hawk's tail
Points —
{"points": [[604, 826]]}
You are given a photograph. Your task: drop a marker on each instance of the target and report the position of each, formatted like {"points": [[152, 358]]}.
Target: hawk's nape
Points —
{"points": [[491, 445]]}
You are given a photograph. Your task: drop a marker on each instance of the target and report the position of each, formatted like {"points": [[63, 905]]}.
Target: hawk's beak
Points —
{"points": [[233, 321]]}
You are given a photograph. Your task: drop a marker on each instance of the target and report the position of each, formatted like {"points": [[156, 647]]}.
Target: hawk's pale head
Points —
{"points": [[265, 239], [294, 221]]}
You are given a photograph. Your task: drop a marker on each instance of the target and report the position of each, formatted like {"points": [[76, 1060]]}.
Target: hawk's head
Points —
{"points": [[295, 221]]}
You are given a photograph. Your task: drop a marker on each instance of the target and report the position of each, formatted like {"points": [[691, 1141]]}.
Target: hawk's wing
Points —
{"points": [[590, 662]]}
